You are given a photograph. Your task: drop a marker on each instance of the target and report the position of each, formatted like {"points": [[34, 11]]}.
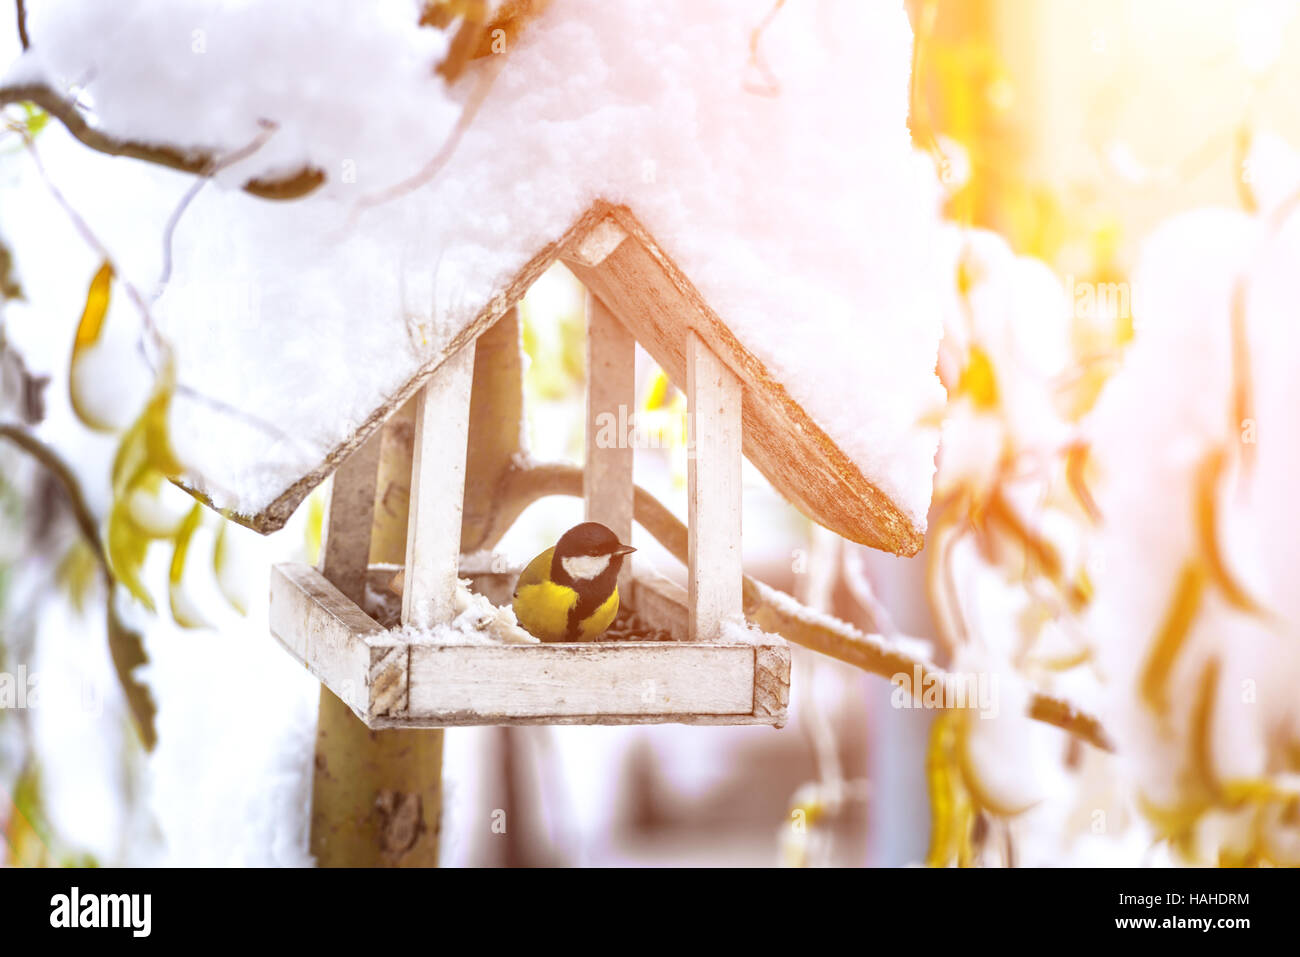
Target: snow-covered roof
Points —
{"points": [[774, 171]]}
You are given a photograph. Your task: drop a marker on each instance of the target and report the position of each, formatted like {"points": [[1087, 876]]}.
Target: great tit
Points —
{"points": [[570, 592]]}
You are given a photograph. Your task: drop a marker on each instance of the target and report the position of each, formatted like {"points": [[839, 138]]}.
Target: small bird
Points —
{"points": [[570, 592]]}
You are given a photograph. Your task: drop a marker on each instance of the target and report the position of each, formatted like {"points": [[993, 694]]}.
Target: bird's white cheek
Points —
{"points": [[585, 566]]}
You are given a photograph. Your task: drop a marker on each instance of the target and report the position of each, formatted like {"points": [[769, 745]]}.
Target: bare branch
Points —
{"points": [[773, 610], [185, 160], [126, 646], [22, 25]]}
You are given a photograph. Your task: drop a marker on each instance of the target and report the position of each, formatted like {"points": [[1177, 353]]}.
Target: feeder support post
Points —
{"points": [[607, 483], [713, 395], [437, 492]]}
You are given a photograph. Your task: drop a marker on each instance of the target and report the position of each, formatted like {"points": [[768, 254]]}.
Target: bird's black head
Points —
{"points": [[590, 538], [589, 557]]}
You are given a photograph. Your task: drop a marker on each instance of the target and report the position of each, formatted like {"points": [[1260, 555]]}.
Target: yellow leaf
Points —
{"points": [[1169, 640], [150, 513], [78, 572], [127, 547], [951, 814], [661, 391], [1202, 731], [145, 446], [221, 567], [315, 527], [1076, 464], [26, 832], [981, 795], [92, 317], [89, 329], [181, 610], [1209, 477], [978, 381]]}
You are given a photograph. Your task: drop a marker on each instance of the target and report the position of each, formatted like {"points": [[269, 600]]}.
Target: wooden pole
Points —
{"points": [[713, 395], [607, 486]]}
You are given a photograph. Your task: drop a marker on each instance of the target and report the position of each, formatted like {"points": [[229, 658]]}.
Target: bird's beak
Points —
{"points": [[624, 550]]}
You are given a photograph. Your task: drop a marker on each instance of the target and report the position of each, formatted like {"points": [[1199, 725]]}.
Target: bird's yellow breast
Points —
{"points": [[542, 606], [595, 624]]}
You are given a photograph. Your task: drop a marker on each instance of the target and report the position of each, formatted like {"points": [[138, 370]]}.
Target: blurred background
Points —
{"points": [[1062, 134]]}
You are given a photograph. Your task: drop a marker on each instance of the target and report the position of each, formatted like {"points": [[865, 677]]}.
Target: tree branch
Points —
{"points": [[125, 645], [195, 161], [772, 609], [22, 24]]}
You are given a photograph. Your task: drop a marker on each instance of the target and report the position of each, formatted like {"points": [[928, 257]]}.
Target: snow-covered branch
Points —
{"points": [[183, 159]]}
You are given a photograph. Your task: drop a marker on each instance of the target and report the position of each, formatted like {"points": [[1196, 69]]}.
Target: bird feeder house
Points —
{"points": [[714, 670], [414, 401]]}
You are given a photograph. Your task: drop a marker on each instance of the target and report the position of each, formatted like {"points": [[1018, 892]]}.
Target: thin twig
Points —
{"points": [[169, 231], [22, 25], [431, 169]]}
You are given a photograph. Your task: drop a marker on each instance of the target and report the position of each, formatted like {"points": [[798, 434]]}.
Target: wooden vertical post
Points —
{"points": [[437, 493], [496, 415], [607, 483], [376, 795], [713, 395], [345, 549]]}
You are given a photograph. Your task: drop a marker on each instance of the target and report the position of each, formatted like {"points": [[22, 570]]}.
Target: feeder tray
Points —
{"points": [[390, 681]]}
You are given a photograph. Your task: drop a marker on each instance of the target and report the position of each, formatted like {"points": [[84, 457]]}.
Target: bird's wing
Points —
{"points": [[537, 571]]}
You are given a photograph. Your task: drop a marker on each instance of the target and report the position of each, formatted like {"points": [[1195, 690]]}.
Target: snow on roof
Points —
{"points": [[785, 189]]}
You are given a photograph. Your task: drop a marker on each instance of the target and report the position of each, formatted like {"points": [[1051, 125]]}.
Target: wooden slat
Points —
{"points": [[599, 242], [607, 483], [581, 679], [437, 493], [713, 486], [345, 551], [323, 629], [772, 680], [662, 601]]}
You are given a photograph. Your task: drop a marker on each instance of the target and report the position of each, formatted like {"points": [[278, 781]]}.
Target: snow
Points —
{"points": [[1168, 407], [741, 632], [477, 622], [802, 211], [894, 645], [1016, 311]]}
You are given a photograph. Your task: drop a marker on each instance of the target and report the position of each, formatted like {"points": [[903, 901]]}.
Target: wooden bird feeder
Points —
{"points": [[402, 677]]}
